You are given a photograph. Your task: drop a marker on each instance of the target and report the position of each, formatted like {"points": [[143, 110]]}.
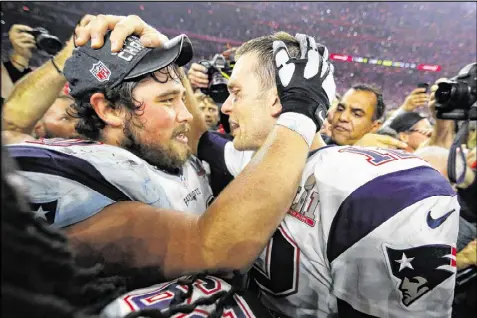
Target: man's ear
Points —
{"points": [[376, 125], [274, 101], [403, 137], [112, 117]]}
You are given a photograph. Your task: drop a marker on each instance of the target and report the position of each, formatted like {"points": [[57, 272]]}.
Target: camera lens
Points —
{"points": [[444, 92], [49, 43]]}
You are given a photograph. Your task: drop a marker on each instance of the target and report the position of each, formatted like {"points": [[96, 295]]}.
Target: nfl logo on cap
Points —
{"points": [[100, 71]]}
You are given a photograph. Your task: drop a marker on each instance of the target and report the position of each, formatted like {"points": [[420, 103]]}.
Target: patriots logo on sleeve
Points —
{"points": [[420, 269], [45, 210]]}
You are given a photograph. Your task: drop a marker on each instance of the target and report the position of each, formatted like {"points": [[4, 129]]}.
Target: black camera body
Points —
{"points": [[45, 41], [456, 98], [218, 71]]}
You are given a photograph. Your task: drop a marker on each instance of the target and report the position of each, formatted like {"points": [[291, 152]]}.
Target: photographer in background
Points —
{"points": [[419, 97], [18, 65]]}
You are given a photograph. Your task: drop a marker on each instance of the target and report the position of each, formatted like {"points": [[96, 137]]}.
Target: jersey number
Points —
{"points": [[279, 276], [161, 298], [377, 157]]}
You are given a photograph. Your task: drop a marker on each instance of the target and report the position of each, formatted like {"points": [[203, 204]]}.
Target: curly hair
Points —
{"points": [[90, 124]]}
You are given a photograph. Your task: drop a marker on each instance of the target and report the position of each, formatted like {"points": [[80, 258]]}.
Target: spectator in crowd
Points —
{"points": [[418, 98], [18, 65], [357, 114], [357, 117], [412, 128], [38, 105], [442, 133], [209, 110]]}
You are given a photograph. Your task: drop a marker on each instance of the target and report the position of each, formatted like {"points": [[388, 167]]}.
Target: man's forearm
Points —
{"points": [[229, 235], [443, 134], [237, 226], [32, 96]]}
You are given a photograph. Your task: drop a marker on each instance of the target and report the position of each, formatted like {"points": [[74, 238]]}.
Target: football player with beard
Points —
{"points": [[371, 232], [131, 196]]}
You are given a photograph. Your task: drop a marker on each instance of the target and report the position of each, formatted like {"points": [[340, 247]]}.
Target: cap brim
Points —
{"points": [[177, 50]]}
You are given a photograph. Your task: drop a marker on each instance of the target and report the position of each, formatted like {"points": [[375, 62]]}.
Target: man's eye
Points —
{"points": [[168, 101]]}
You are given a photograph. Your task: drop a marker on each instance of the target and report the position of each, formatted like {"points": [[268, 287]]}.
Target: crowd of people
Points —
{"points": [[317, 188], [345, 28]]}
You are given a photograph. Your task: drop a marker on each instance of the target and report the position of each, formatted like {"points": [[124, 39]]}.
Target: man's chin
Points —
{"points": [[242, 145]]}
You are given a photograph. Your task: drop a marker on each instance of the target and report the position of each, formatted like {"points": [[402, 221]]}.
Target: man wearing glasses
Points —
{"points": [[412, 128]]}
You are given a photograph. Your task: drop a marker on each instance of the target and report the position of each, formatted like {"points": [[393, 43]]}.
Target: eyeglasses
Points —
{"points": [[424, 131]]}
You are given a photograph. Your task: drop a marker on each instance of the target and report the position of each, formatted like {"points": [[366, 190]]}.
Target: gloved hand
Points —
{"points": [[305, 85]]}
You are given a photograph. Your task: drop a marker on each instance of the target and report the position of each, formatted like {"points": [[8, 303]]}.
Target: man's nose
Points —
{"points": [[227, 106]]}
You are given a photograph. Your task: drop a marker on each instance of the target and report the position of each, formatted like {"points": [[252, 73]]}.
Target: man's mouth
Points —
{"points": [[181, 138], [340, 128], [233, 125]]}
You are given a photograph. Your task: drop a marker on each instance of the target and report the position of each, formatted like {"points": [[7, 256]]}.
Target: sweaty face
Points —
{"points": [[248, 105], [210, 112], [157, 131], [353, 117], [57, 123]]}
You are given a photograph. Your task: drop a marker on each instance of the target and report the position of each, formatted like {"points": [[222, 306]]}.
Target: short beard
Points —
{"points": [[164, 158]]}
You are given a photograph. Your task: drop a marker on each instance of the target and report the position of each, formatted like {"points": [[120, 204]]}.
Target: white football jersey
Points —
{"points": [[163, 297], [370, 231], [69, 181]]}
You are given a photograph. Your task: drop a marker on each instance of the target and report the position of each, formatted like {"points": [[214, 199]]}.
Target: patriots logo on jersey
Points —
{"points": [[45, 210], [420, 269], [305, 202]]}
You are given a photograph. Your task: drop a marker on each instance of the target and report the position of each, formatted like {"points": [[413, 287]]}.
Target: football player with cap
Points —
{"points": [[132, 196], [354, 206]]}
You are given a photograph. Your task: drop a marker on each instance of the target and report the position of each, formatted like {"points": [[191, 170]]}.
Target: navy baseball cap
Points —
{"points": [[88, 69], [405, 121]]}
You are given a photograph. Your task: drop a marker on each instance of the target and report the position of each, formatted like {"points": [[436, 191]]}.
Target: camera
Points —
{"points": [[218, 71], [456, 98], [45, 41]]}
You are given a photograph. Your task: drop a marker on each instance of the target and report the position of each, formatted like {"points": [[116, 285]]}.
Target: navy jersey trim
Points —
{"points": [[211, 149], [380, 199], [311, 153], [345, 310], [42, 160]]}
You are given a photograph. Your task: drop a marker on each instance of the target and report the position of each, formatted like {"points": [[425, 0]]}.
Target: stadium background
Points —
{"points": [[403, 39]]}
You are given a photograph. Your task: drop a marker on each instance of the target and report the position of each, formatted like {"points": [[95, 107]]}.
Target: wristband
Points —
{"points": [[300, 124], [56, 66]]}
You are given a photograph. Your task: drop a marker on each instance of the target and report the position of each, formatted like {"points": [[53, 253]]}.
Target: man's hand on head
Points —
{"points": [[95, 27], [305, 85]]}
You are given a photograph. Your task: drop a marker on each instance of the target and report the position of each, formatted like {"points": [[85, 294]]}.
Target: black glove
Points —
{"points": [[304, 85]]}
